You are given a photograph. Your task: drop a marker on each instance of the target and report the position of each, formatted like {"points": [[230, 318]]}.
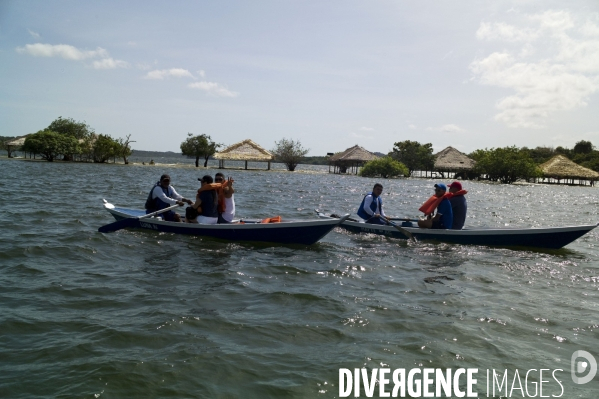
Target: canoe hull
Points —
{"points": [[293, 232], [549, 237]]}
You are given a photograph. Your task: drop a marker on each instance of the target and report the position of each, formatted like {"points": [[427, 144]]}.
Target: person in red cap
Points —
{"points": [[458, 205]]}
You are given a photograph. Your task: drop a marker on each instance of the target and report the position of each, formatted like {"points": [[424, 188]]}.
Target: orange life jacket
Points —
{"points": [[276, 219], [433, 202], [219, 192]]}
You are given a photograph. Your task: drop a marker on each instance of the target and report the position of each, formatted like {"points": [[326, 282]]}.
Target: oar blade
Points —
{"points": [[118, 225], [401, 229]]}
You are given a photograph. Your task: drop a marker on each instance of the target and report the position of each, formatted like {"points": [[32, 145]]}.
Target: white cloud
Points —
{"points": [[367, 129], [202, 73], [166, 73], [556, 22], [360, 136], [452, 129], [213, 88], [562, 78], [65, 51], [449, 128], [589, 29], [502, 31], [412, 126], [143, 66], [110, 63], [34, 34]]}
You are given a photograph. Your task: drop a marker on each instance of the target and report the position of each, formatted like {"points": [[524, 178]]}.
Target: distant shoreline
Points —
{"points": [[170, 165]]}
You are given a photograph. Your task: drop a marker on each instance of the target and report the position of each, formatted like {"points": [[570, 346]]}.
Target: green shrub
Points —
{"points": [[384, 167], [506, 165]]}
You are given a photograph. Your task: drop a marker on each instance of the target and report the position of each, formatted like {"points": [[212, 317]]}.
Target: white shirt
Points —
{"points": [[229, 212], [172, 198], [367, 202]]}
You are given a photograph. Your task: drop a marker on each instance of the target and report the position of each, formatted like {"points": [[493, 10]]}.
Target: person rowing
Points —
{"points": [[443, 219], [162, 196], [371, 208]]}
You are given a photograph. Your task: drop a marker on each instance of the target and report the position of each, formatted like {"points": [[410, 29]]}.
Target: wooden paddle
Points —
{"points": [[130, 222], [401, 229]]}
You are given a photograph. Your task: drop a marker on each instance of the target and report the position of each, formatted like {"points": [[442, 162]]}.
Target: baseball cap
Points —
{"points": [[456, 184], [441, 186]]}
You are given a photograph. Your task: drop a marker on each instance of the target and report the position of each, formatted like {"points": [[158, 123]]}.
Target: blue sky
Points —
{"points": [[332, 74]]}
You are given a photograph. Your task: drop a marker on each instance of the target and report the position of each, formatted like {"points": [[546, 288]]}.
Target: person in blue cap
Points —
{"points": [[443, 218]]}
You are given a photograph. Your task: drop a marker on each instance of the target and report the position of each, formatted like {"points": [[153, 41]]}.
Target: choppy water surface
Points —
{"points": [[141, 314]]}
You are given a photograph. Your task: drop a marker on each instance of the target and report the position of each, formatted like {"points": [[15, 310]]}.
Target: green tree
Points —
{"points": [[384, 167], [86, 147], [563, 151], [540, 154], [289, 152], [123, 149], [583, 147], [199, 146], [506, 164], [104, 148], [50, 144], [69, 127], [413, 155]]}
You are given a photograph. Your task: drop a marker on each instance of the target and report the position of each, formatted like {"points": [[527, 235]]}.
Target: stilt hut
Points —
{"points": [[561, 168], [245, 150], [351, 159], [14, 145], [454, 163]]}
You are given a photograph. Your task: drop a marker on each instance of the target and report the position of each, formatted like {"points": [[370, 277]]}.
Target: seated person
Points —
{"points": [[206, 205], [229, 202], [162, 196], [459, 207], [444, 216], [371, 208]]}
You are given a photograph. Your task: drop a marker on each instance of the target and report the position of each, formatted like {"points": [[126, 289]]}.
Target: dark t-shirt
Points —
{"points": [[209, 206], [459, 208]]}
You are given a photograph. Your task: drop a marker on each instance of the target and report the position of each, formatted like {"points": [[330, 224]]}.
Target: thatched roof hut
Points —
{"points": [[14, 145], [353, 157], [245, 150], [451, 159], [559, 167]]}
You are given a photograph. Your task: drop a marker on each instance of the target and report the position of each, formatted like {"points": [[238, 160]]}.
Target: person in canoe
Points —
{"points": [[371, 208], [162, 196], [443, 219], [209, 202], [459, 206], [228, 214]]}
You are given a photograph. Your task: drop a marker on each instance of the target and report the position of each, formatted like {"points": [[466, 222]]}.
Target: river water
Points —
{"points": [[138, 314]]}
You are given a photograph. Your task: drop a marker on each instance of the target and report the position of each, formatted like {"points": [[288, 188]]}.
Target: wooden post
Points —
{"points": [[246, 165], [268, 165]]}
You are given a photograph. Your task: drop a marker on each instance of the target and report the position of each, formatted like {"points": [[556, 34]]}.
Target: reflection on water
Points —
{"points": [[137, 313]]}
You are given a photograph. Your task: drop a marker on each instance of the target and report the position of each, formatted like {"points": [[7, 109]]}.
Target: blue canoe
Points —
{"points": [[544, 237], [305, 232]]}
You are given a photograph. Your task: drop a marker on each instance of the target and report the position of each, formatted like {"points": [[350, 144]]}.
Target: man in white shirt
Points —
{"points": [[229, 213], [164, 195], [371, 208]]}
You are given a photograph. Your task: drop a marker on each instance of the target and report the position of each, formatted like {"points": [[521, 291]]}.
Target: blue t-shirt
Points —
{"points": [[444, 209], [459, 208]]}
